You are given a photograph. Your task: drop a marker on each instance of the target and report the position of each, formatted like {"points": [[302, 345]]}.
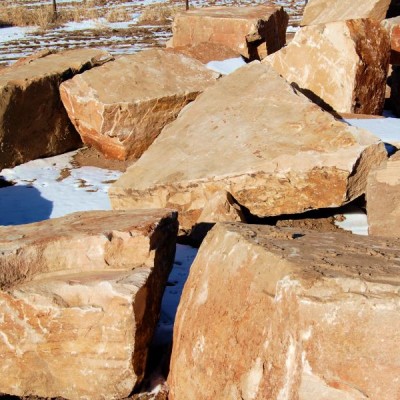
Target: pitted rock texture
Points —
{"points": [[383, 199], [270, 313], [253, 136], [33, 121], [340, 65], [254, 32], [323, 11], [121, 107], [80, 298]]}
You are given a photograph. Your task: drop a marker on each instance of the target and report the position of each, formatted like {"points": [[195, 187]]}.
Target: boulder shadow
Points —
{"points": [[23, 205]]}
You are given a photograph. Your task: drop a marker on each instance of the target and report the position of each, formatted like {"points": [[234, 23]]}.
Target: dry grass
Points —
{"points": [[118, 14], [160, 13]]}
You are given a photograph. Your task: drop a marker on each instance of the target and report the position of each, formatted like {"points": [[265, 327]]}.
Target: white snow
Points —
{"points": [[15, 33], [99, 23], [227, 66], [355, 220], [387, 129]]}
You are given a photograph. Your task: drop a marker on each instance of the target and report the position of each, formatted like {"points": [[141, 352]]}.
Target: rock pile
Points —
{"points": [[267, 312]]}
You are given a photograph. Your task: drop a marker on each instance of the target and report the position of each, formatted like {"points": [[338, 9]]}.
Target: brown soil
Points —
{"points": [[90, 157], [316, 224]]}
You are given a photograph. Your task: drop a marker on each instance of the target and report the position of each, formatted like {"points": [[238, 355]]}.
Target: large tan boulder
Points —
{"points": [[383, 199], [33, 121], [270, 313], [254, 137], [254, 32], [80, 298], [323, 11], [121, 107], [340, 65]]}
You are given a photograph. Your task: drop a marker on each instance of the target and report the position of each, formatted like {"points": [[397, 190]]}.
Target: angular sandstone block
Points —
{"points": [[340, 65], [33, 121], [80, 298], [121, 107], [323, 11], [254, 137], [392, 26], [383, 199], [271, 313], [254, 32]]}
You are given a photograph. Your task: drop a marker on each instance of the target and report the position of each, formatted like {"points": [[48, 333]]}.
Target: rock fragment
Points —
{"points": [[121, 107], [271, 313]]}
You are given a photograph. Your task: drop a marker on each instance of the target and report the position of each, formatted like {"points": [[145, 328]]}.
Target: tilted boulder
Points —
{"points": [[80, 298], [270, 313], [323, 11], [33, 121], [254, 32], [121, 107], [340, 65], [383, 199], [254, 137]]}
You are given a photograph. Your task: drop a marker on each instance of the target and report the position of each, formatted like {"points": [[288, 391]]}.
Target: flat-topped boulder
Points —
{"points": [[339, 65], [121, 107], [254, 32], [253, 136], [323, 11], [383, 199], [270, 313], [79, 301], [33, 121]]}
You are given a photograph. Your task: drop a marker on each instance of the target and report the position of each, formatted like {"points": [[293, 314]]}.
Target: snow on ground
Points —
{"points": [[227, 66], [15, 33], [355, 220]]}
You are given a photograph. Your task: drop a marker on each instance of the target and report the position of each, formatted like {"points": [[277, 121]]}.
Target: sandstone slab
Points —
{"points": [[323, 11], [121, 107], [383, 199], [270, 313], [33, 121], [340, 65], [80, 298], [392, 26], [253, 136], [254, 32]]}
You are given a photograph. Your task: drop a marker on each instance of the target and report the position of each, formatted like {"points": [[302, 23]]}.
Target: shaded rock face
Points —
{"points": [[383, 199], [323, 11], [340, 65], [121, 107], [271, 313], [33, 121], [254, 32], [79, 300], [254, 137], [395, 89]]}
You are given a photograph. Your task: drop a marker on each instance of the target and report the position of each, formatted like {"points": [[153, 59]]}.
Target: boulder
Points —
{"points": [[270, 313], [33, 121], [383, 199], [341, 65], [80, 298], [392, 26], [323, 11], [121, 107], [253, 136], [254, 32]]}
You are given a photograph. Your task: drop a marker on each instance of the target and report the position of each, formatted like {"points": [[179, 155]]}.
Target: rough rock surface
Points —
{"points": [[383, 199], [392, 26], [270, 313], [323, 11], [253, 136], [254, 32], [121, 107], [33, 121], [340, 65], [80, 298]]}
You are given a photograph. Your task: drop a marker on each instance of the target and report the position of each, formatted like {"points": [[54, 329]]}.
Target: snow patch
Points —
{"points": [[227, 66]]}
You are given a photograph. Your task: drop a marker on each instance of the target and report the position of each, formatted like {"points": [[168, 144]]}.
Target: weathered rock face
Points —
{"points": [[33, 121], [271, 313], [121, 107], [342, 65], [383, 199], [80, 300], [254, 32], [392, 26], [323, 11], [253, 136]]}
